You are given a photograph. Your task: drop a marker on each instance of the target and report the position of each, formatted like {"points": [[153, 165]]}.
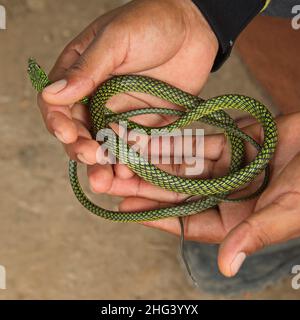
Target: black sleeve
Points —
{"points": [[281, 8], [227, 19]]}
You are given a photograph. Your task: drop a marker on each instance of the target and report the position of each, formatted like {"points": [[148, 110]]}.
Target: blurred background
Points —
{"points": [[51, 247]]}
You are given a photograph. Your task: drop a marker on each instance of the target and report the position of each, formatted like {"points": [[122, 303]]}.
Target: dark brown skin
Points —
{"points": [[171, 41], [242, 228], [164, 39]]}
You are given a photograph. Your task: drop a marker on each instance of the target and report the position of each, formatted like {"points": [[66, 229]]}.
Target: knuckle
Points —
{"points": [[76, 45], [94, 182], [114, 27], [116, 31], [257, 234], [288, 201], [100, 184], [79, 66], [81, 69], [70, 45]]}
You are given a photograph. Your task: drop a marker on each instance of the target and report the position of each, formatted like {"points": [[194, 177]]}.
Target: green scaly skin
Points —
{"points": [[212, 191]]}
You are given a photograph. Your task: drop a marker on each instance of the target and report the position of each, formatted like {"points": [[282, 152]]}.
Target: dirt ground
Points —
{"points": [[51, 247]]}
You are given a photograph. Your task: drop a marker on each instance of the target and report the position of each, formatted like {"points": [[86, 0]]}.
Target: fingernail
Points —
{"points": [[237, 263], [56, 87], [60, 136], [83, 159]]}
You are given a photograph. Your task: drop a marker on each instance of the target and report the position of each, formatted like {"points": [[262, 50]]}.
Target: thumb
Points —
{"points": [[95, 65], [275, 223]]}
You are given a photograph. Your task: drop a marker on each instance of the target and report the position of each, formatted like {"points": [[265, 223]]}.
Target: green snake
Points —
{"points": [[211, 191]]}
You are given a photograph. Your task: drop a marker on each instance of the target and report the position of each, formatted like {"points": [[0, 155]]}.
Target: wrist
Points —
{"points": [[227, 19], [206, 27], [199, 27]]}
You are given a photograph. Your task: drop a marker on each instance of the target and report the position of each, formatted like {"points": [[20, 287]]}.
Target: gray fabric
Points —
{"points": [[258, 271], [281, 8]]}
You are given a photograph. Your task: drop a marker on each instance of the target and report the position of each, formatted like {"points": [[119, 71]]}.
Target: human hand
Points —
{"points": [[241, 228], [165, 39]]}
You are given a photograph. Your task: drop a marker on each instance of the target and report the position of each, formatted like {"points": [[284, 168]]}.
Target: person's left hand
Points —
{"points": [[241, 228]]}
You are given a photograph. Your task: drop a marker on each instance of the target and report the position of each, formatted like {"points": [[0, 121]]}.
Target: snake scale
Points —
{"points": [[210, 111]]}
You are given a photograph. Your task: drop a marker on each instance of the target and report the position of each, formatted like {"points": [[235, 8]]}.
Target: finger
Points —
{"points": [[128, 187], [245, 121], [211, 147], [288, 144], [215, 146], [140, 204], [125, 185], [277, 222], [100, 177], [206, 226], [81, 113], [83, 150], [62, 127], [123, 172], [199, 164], [58, 119], [61, 120], [136, 186], [129, 101], [67, 58], [74, 50], [93, 66]]}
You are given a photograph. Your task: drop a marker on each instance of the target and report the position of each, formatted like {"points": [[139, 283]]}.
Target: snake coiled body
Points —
{"points": [[211, 111]]}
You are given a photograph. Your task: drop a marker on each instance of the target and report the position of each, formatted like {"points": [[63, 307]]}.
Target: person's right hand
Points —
{"points": [[166, 39], [241, 228]]}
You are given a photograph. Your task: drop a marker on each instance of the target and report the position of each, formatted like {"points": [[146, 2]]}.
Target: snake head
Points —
{"points": [[37, 75]]}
